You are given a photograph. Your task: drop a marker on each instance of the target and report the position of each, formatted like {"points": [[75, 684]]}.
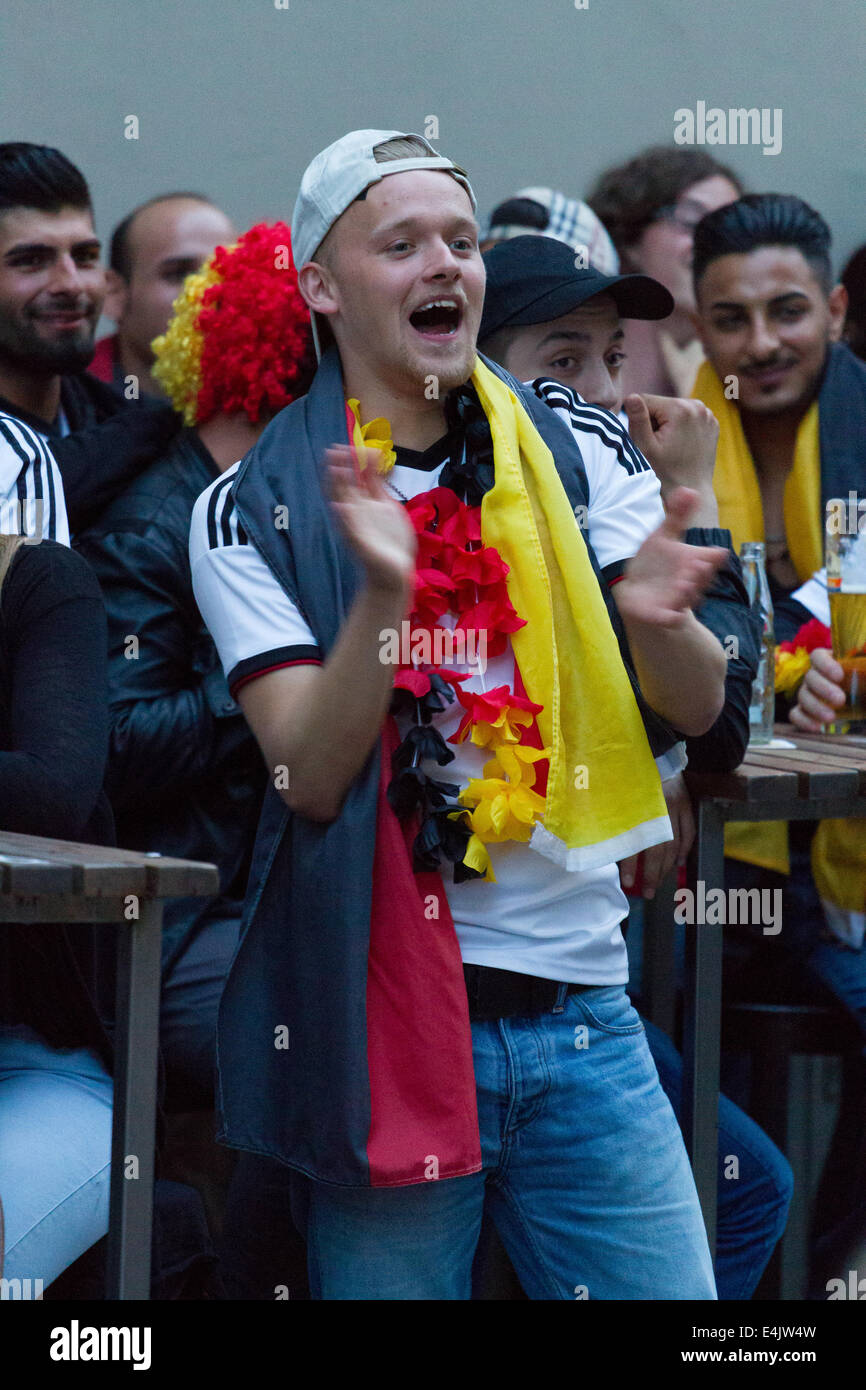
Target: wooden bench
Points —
{"points": [[58, 881]]}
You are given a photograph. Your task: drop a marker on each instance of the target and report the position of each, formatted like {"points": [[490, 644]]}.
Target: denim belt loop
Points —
{"points": [[561, 995]]}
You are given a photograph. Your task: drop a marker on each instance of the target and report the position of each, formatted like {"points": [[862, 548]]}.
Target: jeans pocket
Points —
{"points": [[608, 1008]]}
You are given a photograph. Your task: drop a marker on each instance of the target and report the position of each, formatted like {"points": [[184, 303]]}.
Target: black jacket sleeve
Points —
{"points": [[98, 462], [173, 720], [55, 683], [725, 611]]}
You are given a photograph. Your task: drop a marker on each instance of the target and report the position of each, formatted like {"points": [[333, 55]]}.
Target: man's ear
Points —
{"points": [[317, 287], [116, 296], [837, 303]]}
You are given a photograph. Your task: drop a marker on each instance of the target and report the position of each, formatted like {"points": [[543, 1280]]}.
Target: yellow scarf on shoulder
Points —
{"points": [[604, 799], [567, 653], [735, 481]]}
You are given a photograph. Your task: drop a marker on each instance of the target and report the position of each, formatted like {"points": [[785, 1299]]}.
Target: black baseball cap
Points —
{"points": [[534, 279]]}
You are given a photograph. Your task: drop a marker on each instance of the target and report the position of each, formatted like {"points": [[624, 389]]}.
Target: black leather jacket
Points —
{"points": [[185, 775]]}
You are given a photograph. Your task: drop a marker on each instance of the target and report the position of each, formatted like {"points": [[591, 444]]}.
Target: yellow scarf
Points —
{"points": [[735, 483], [567, 652], [839, 846]]}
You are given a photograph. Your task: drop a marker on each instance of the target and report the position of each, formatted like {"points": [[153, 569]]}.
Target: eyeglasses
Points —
{"points": [[684, 214]]}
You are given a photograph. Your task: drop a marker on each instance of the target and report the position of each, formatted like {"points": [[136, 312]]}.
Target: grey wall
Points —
{"points": [[235, 96]]}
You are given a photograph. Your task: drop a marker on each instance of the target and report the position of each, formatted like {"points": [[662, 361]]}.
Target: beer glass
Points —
{"points": [[845, 555]]}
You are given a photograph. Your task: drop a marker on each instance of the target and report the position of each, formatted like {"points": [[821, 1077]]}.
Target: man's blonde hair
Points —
{"points": [[401, 147]]}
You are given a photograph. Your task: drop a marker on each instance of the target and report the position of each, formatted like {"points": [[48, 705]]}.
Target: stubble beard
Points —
{"points": [[446, 374], [23, 349]]}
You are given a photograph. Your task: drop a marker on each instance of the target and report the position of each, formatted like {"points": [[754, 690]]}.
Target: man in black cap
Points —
{"points": [[549, 317], [547, 314]]}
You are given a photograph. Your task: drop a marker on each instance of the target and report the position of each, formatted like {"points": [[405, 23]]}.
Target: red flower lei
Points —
{"points": [[457, 573]]}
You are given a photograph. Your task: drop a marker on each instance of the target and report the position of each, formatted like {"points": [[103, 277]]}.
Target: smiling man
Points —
{"points": [[52, 287], [790, 398], [51, 281], [434, 904]]}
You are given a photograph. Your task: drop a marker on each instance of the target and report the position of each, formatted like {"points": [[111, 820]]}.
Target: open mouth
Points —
{"points": [[439, 318]]}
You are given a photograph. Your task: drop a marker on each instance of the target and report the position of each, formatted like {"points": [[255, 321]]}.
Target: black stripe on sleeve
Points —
{"points": [[50, 465], [213, 536], [299, 654], [614, 571], [594, 419], [30, 449]]}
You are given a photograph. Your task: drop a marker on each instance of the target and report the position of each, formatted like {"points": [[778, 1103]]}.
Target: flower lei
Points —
{"points": [[456, 573], [793, 658]]}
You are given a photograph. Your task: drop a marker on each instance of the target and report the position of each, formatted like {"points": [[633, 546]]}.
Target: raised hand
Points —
{"points": [[666, 578], [374, 523], [678, 437]]}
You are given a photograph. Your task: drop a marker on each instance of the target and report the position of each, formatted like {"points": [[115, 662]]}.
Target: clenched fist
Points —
{"points": [[679, 439]]}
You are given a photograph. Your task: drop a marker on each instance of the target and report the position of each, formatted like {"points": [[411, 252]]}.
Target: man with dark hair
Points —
{"points": [[52, 288], [422, 962], [650, 207], [152, 251], [790, 399], [786, 392]]}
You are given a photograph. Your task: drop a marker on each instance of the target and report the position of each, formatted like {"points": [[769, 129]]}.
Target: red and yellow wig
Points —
{"points": [[239, 337]]}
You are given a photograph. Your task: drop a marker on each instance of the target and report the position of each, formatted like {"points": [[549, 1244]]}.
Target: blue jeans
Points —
{"points": [[585, 1176], [754, 1193], [753, 1205], [55, 1153], [192, 987]]}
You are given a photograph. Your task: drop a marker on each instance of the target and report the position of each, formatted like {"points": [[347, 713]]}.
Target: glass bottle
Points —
{"points": [[762, 705]]}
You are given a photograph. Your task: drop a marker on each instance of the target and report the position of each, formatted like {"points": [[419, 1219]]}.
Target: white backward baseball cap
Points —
{"points": [[337, 176]]}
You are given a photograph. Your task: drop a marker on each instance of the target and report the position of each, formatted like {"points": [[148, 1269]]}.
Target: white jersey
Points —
{"points": [[32, 501]]}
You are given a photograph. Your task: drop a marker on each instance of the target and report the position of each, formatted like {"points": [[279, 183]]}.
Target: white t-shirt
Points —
{"points": [[536, 918], [813, 595]]}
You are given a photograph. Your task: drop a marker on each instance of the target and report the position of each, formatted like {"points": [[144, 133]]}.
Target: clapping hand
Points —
{"points": [[374, 523], [666, 578]]}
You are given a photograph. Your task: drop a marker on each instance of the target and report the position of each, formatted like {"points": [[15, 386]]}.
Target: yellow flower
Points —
{"points": [[506, 727], [376, 435], [791, 667], [505, 806], [477, 858]]}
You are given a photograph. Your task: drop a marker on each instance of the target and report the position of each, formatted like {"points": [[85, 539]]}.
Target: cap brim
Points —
{"points": [[635, 296]]}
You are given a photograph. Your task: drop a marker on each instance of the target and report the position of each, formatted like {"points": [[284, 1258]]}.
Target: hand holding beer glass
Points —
{"points": [[845, 554]]}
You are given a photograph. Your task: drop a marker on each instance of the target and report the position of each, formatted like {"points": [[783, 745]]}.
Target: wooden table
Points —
{"points": [[822, 776], [57, 881]]}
